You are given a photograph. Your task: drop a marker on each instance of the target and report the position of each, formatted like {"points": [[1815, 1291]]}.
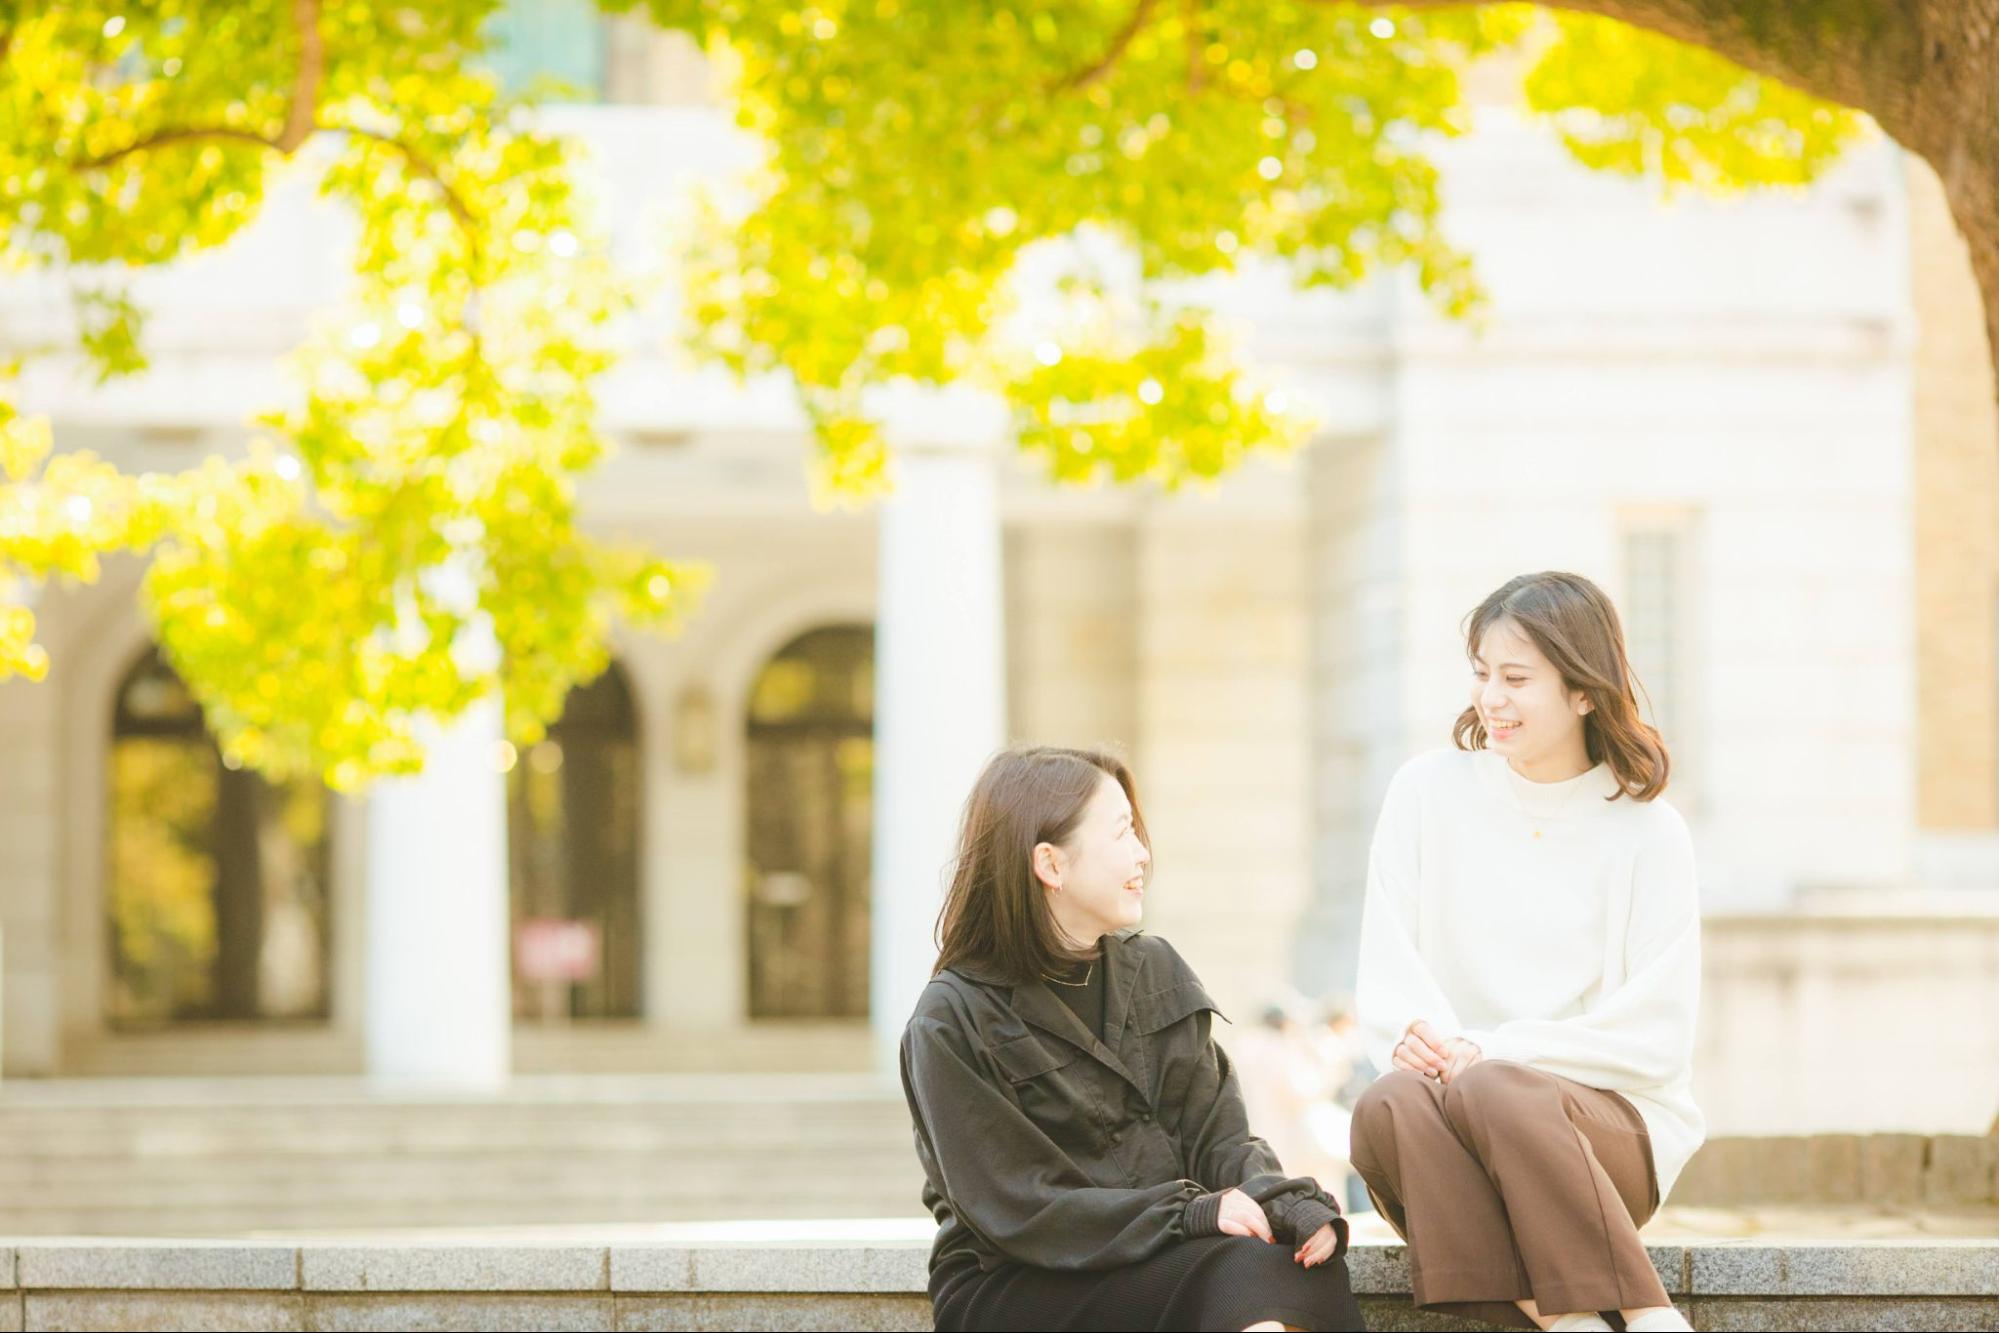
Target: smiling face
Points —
{"points": [[1529, 715], [1095, 879]]}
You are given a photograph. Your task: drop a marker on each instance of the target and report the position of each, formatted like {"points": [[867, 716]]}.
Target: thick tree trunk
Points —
{"points": [[1957, 132]]}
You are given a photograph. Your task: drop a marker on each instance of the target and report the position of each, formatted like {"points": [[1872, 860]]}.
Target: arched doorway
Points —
{"points": [[217, 892], [573, 849], [810, 804]]}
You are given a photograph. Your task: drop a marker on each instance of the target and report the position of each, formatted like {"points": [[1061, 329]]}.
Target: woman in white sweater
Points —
{"points": [[1529, 974]]}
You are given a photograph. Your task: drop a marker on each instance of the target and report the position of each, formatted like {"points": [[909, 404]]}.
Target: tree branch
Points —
{"points": [[421, 164], [1866, 54], [182, 134], [1196, 76], [305, 86], [1089, 74], [299, 112], [424, 168]]}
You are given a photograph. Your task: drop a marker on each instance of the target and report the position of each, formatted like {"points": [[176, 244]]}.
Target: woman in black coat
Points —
{"points": [[1088, 1159]]}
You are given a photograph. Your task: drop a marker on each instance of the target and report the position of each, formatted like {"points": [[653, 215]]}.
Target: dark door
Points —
{"points": [[810, 801]]}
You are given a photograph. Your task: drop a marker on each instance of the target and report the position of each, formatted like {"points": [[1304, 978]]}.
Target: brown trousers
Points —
{"points": [[1510, 1183]]}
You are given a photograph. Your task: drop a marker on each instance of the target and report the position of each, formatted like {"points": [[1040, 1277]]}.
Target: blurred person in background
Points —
{"points": [[1086, 1151], [1529, 976], [1302, 1069], [1283, 1082], [1347, 1072]]}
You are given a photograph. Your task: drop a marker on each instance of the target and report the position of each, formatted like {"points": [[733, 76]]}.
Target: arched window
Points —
{"points": [[573, 852], [810, 802], [218, 879]]}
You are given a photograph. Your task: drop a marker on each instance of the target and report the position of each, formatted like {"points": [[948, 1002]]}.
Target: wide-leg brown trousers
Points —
{"points": [[1510, 1183]]}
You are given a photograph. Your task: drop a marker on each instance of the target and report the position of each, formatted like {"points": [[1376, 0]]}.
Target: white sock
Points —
{"points": [[1667, 1320], [1583, 1321]]}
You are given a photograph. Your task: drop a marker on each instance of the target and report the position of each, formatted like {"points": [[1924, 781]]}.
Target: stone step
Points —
{"points": [[416, 1134], [520, 1090], [308, 1215], [237, 1050], [219, 1156], [768, 1168]]}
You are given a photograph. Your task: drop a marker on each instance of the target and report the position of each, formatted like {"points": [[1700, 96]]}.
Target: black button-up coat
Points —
{"points": [[1046, 1146]]}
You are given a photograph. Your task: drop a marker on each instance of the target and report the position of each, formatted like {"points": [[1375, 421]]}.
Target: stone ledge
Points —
{"points": [[1927, 1268], [848, 1267], [683, 1262], [97, 1264], [432, 1266]]}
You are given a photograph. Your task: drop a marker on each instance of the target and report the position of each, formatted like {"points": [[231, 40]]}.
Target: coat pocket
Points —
{"points": [[1023, 1058], [1163, 1008]]}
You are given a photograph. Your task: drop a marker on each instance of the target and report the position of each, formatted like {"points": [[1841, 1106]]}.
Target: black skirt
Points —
{"points": [[1214, 1282]]}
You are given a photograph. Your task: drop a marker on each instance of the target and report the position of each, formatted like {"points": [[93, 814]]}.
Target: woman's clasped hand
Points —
{"points": [[1243, 1216], [1422, 1051]]}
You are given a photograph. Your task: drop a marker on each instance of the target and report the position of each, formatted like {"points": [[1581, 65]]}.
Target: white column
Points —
{"points": [[939, 686], [438, 1008]]}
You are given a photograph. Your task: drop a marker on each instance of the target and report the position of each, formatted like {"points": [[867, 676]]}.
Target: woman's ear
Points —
{"points": [[1047, 859]]}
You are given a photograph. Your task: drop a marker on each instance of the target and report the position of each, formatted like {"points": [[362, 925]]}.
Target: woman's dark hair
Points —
{"points": [[996, 911], [1575, 626]]}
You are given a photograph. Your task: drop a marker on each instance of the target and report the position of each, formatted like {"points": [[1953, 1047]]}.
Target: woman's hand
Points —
{"points": [[1460, 1055], [1421, 1051], [1318, 1248], [1243, 1216]]}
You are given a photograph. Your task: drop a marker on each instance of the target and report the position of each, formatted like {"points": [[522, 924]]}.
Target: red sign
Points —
{"points": [[551, 948]]}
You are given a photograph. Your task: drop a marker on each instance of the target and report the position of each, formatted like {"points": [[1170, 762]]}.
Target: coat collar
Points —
{"points": [[1117, 949], [1039, 1006]]}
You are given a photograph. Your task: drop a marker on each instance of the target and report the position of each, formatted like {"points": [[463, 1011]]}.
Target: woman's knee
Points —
{"points": [[1494, 1090], [1376, 1107], [1398, 1092]]}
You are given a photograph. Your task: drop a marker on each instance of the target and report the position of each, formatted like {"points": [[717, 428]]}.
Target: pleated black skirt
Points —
{"points": [[1215, 1282]]}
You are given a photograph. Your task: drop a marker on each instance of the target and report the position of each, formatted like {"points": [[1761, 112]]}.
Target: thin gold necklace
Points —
{"points": [[1561, 807], [1088, 972]]}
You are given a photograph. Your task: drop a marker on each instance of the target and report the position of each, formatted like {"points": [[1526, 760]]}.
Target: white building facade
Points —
{"points": [[1704, 406]]}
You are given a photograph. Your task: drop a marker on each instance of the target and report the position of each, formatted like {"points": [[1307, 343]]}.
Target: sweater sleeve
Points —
{"points": [[1640, 1035], [1394, 985]]}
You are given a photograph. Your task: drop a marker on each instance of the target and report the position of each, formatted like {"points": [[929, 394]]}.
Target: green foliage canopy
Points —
{"points": [[305, 593], [918, 154], [919, 148]]}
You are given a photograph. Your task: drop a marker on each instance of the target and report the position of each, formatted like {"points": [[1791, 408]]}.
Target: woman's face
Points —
{"points": [[1096, 880], [1528, 714]]}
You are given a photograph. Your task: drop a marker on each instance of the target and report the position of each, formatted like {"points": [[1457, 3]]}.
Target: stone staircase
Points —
{"points": [[229, 1156]]}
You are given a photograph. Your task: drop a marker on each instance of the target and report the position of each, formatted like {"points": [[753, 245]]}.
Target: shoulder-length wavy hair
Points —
{"points": [[996, 911], [1575, 626]]}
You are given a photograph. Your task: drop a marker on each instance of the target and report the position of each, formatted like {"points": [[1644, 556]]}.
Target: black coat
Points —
{"points": [[1045, 1146]]}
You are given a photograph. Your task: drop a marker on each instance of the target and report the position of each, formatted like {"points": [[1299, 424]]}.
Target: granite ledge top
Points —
{"points": [[883, 1258]]}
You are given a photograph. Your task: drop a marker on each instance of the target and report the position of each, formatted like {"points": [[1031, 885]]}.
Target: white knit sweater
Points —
{"points": [[1577, 952]]}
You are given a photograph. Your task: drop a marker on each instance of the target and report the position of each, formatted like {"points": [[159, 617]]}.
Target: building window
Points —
{"points": [[810, 804], [535, 43], [1657, 552], [573, 857], [590, 56], [218, 878]]}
